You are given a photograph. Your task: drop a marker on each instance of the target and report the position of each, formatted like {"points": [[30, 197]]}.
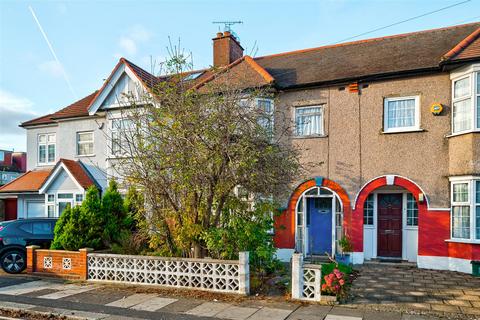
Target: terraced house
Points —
{"points": [[391, 132]]}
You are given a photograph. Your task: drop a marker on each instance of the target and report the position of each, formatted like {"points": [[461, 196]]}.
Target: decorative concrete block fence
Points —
{"points": [[229, 276], [306, 279], [60, 263]]}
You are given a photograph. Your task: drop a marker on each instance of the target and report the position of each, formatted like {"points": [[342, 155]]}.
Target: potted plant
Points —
{"points": [[347, 247]]}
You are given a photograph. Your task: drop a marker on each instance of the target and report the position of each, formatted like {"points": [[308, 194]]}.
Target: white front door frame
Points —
{"points": [[303, 198], [405, 228]]}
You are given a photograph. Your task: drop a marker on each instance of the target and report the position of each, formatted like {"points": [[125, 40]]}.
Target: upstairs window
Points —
{"points": [[265, 107], [85, 143], [46, 148], [401, 114], [309, 121], [466, 100], [465, 220], [121, 135]]}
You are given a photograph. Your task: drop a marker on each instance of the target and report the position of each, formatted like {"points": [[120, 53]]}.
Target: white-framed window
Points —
{"points": [[465, 214], [309, 121], [85, 143], [466, 99], [368, 211], [46, 148], [412, 211], [401, 114], [120, 135], [266, 117], [50, 205]]}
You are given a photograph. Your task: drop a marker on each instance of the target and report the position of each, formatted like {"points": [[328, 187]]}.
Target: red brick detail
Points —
{"points": [[226, 49], [78, 269]]}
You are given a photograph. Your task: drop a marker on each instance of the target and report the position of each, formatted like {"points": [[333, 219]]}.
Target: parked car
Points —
{"points": [[16, 235]]}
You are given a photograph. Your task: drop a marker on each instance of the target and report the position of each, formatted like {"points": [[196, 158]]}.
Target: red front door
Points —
{"points": [[389, 217]]}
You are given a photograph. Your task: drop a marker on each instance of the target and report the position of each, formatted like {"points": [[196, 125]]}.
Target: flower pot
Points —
{"points": [[344, 259]]}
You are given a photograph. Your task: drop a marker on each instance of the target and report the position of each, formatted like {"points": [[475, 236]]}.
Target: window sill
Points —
{"points": [[403, 131], [470, 241], [85, 156], [45, 164], [315, 136], [461, 133]]}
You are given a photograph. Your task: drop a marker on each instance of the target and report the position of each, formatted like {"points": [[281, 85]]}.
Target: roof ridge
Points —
{"points": [[365, 40]]}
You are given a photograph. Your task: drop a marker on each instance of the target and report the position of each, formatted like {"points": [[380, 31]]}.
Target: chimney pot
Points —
{"points": [[219, 34], [226, 33]]}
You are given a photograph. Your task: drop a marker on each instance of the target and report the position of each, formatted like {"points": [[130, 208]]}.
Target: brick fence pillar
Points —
{"points": [[244, 273], [31, 261], [83, 261]]}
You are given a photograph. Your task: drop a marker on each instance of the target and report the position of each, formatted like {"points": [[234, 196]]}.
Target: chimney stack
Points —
{"points": [[226, 49]]}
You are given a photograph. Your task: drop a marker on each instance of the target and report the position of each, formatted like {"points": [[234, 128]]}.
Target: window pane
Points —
{"points": [[85, 148], [42, 138], [265, 105], [42, 154], [309, 121], [461, 222], [462, 116], [300, 205], [477, 188], [79, 197], [51, 153], [401, 113], [51, 197], [368, 211], [461, 88], [42, 228], [65, 196], [35, 209], [51, 210], [460, 192], [412, 211], [477, 221], [478, 111], [85, 136], [51, 138]]}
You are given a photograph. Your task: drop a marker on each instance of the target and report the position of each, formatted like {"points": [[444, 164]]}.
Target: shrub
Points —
{"points": [[335, 283]]}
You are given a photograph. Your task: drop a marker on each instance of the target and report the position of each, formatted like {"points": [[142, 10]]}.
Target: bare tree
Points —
{"points": [[190, 144]]}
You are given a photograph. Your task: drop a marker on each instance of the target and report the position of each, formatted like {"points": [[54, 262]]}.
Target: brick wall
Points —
{"points": [[59, 263]]}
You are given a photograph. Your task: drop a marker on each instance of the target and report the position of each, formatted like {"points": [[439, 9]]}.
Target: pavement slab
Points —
{"points": [[129, 301], [69, 291], [154, 304], [208, 309], [31, 286], [338, 317], [310, 312], [270, 314], [236, 313]]}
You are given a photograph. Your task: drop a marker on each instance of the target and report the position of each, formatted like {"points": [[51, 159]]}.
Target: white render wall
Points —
{"points": [[66, 145]]}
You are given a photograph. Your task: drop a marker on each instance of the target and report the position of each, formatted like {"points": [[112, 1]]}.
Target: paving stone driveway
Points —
{"points": [[407, 287]]}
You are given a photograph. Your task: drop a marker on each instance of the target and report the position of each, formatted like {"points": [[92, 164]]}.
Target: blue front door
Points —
{"points": [[319, 221]]}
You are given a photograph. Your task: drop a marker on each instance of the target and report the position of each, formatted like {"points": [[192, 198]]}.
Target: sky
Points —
{"points": [[88, 38]]}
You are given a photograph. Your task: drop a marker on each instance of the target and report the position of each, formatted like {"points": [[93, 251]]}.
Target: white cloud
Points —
{"points": [[128, 45], [135, 36], [52, 68], [14, 110]]}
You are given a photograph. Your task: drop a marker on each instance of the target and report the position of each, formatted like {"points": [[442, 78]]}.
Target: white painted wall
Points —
{"points": [[445, 263], [23, 200]]}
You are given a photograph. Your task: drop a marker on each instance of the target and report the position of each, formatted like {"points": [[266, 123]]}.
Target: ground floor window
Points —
{"points": [[56, 203], [465, 214], [35, 209]]}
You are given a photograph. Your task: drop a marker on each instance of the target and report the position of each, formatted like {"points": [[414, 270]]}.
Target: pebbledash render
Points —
{"points": [[390, 129]]}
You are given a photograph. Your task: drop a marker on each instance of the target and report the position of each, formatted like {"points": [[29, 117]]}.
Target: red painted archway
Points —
{"points": [[285, 223], [412, 187]]}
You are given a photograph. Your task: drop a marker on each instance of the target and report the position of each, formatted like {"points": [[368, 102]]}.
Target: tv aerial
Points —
{"points": [[227, 26]]}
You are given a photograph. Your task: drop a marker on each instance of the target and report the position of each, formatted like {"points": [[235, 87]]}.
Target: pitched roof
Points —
{"points": [[355, 60], [30, 181], [466, 49], [78, 172], [403, 53], [77, 109]]}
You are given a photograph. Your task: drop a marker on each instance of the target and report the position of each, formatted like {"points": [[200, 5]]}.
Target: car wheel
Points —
{"points": [[13, 261]]}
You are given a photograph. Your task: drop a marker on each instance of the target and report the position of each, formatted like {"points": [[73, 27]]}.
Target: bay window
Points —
{"points": [[465, 212], [309, 121], [466, 100], [46, 148]]}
